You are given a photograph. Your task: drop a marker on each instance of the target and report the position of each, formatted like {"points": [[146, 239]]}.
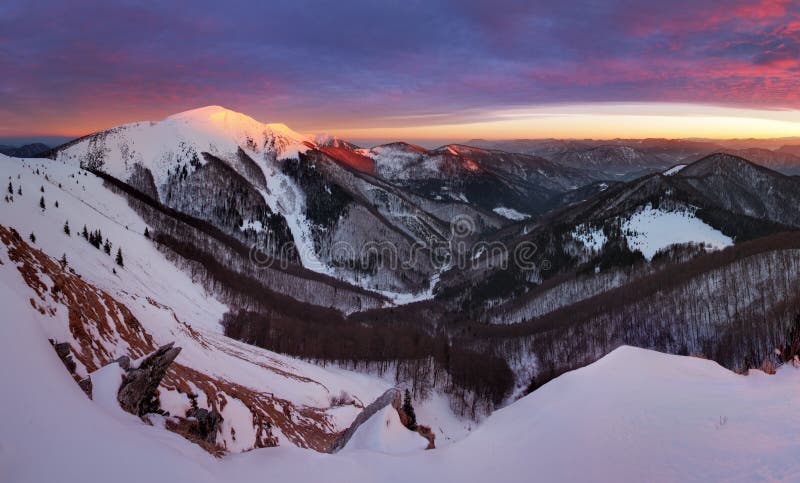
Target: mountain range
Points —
{"points": [[278, 289]]}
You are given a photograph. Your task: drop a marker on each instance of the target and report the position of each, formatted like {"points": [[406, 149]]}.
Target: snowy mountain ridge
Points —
{"points": [[179, 139]]}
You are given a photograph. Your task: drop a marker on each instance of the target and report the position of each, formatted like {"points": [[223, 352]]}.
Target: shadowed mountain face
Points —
{"points": [[517, 185]]}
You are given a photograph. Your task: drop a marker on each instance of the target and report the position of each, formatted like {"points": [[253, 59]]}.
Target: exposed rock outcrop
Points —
{"points": [[138, 393], [86, 386], [65, 354], [207, 423]]}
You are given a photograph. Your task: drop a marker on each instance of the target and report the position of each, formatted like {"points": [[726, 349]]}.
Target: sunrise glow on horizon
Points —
{"points": [[584, 121], [602, 121], [411, 71]]}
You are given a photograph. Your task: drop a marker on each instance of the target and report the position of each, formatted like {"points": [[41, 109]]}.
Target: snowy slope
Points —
{"points": [[166, 305], [384, 433], [510, 213], [674, 170], [179, 141], [650, 230], [652, 417]]}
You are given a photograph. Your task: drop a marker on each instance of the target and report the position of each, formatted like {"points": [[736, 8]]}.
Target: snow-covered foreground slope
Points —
{"points": [[384, 433], [635, 415]]}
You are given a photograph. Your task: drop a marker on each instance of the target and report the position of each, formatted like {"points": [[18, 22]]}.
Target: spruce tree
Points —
{"points": [[107, 247], [63, 261], [119, 257], [56, 203], [41, 203], [32, 238], [41, 189], [146, 232], [10, 188], [408, 408], [66, 228], [19, 191], [85, 233]]}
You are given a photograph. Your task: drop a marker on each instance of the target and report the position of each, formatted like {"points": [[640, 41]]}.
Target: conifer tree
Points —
{"points": [[107, 247], [10, 188], [85, 233], [41, 203], [66, 228], [63, 261], [408, 408], [146, 232], [119, 258], [32, 238]]}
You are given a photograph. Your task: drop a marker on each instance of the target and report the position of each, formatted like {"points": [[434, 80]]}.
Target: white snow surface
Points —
{"points": [[655, 229], [674, 170], [510, 213], [592, 238], [384, 433], [652, 229]]}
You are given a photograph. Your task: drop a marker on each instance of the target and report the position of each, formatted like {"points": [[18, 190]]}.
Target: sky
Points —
{"points": [[409, 69]]}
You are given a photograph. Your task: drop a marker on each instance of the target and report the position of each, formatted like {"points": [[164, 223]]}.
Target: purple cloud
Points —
{"points": [[82, 65]]}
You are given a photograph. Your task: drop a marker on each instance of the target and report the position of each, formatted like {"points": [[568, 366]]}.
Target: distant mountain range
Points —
{"points": [[630, 158], [27, 151]]}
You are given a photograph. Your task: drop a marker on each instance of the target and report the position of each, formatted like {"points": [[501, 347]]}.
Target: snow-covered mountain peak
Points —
{"points": [[181, 140], [226, 122], [325, 139]]}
